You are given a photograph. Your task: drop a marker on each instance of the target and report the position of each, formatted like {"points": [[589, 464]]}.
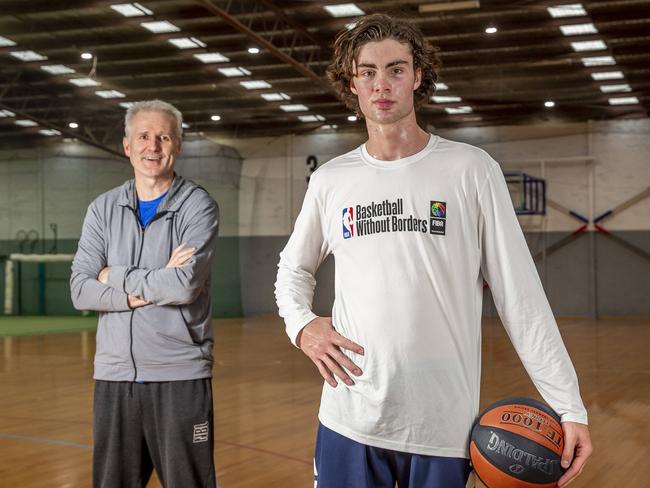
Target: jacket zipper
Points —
{"points": [[137, 265], [135, 368]]}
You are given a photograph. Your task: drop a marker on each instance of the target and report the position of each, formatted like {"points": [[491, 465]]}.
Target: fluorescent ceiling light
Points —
{"points": [[439, 99], [275, 97], [187, 42], [7, 113], [255, 84], [607, 75], [589, 45], [4, 42], [311, 118], [127, 104], [623, 101], [26, 123], [567, 10], [110, 94], [73, 125], [441, 86], [49, 132], [131, 9], [443, 6], [215, 118], [549, 104], [578, 29], [186, 125], [28, 56], [230, 72], [352, 118], [598, 61], [160, 26], [57, 69], [294, 107], [253, 50], [344, 10], [623, 87], [211, 58], [329, 127], [86, 56], [466, 109], [491, 30], [84, 82]]}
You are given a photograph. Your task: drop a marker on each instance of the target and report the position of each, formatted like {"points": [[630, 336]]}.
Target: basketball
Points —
{"points": [[517, 443]]}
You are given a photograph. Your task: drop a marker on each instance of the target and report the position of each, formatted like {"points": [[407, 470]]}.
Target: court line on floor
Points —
{"points": [[60, 442], [44, 440]]}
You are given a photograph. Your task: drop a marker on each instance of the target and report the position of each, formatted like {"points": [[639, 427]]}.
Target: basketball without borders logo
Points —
{"points": [[348, 222]]}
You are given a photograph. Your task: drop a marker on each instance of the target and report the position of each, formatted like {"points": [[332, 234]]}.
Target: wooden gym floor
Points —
{"points": [[267, 395]]}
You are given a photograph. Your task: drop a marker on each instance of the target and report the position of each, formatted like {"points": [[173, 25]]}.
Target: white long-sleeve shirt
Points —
{"points": [[412, 240]]}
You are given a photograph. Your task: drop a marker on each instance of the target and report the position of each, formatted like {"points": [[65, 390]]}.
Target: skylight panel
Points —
{"points": [[211, 58], [84, 82], [598, 61], [275, 97], [28, 56], [623, 87], [446, 99], [160, 26], [466, 109], [131, 9], [255, 84], [187, 42], [26, 123], [294, 107], [230, 72], [607, 75], [567, 10], [623, 101], [4, 42], [57, 69], [344, 10], [589, 45], [311, 118], [578, 29]]}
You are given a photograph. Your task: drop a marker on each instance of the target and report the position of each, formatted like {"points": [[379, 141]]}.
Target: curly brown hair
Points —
{"points": [[375, 28]]}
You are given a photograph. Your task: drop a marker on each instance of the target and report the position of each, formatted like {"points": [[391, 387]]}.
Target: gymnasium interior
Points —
{"points": [[557, 92]]}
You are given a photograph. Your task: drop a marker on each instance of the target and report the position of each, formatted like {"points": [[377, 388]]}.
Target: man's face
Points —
{"points": [[152, 145], [384, 81]]}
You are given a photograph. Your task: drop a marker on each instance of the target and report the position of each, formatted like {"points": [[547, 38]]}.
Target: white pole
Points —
{"points": [[9, 286]]}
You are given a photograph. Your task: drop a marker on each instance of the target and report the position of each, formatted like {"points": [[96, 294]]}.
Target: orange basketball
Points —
{"points": [[517, 443]]}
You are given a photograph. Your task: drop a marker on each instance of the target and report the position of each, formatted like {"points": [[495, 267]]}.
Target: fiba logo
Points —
{"points": [[348, 222], [437, 217], [439, 210]]}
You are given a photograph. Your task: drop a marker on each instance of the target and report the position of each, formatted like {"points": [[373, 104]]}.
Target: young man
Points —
{"points": [[414, 222], [143, 262]]}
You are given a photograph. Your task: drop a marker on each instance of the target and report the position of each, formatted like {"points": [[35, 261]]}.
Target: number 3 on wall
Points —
{"points": [[312, 164]]}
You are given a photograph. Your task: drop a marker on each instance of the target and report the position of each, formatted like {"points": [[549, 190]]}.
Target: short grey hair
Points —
{"points": [[153, 106]]}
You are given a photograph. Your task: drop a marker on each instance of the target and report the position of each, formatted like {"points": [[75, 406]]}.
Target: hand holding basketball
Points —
{"points": [[321, 343], [577, 441]]}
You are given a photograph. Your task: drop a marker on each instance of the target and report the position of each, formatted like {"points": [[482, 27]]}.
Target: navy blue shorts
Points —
{"points": [[343, 463]]}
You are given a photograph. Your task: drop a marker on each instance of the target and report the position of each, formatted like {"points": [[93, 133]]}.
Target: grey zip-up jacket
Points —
{"points": [[170, 339]]}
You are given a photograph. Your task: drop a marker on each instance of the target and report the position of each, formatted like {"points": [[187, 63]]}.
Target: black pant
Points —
{"points": [[166, 425]]}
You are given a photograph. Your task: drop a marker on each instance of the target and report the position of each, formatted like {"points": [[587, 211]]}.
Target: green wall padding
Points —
{"points": [[226, 291]]}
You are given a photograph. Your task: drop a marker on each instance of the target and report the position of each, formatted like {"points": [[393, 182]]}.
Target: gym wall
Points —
{"points": [[260, 184], [56, 183], [590, 276]]}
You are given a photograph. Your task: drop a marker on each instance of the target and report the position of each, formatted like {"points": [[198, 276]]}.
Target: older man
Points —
{"points": [[143, 262]]}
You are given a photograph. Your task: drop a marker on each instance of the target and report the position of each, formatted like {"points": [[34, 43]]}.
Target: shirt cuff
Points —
{"points": [[294, 327], [579, 418]]}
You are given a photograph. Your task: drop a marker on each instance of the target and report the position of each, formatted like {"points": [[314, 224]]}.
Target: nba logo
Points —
{"points": [[348, 222]]}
